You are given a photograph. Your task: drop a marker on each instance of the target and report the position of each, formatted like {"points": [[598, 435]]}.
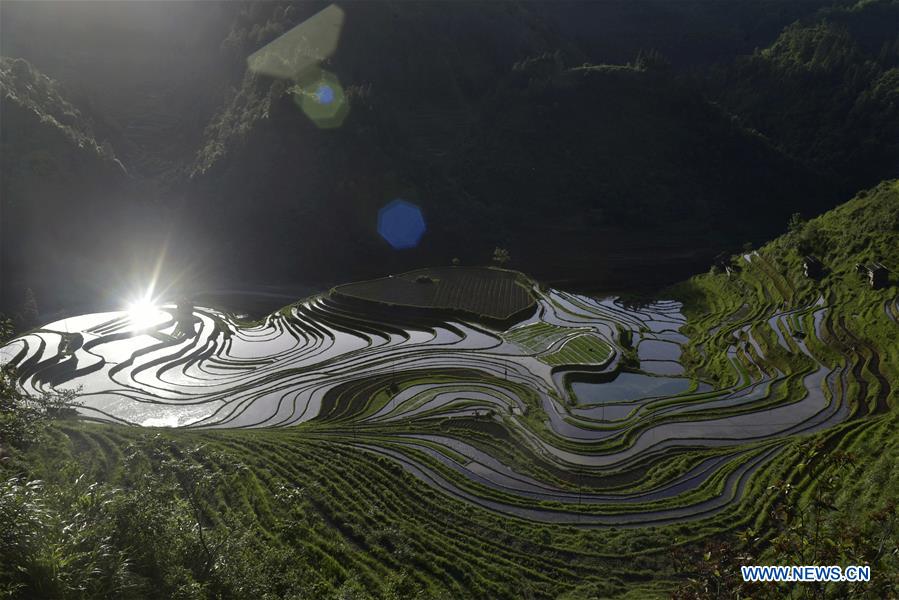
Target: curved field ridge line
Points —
{"points": [[477, 411]]}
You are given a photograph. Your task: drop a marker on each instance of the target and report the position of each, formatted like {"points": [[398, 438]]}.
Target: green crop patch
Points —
{"points": [[585, 349]]}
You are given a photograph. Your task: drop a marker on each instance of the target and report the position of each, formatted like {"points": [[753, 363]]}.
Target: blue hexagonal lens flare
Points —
{"points": [[401, 224], [324, 94]]}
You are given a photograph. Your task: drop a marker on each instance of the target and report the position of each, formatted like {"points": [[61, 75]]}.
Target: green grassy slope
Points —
{"points": [[863, 230], [832, 496]]}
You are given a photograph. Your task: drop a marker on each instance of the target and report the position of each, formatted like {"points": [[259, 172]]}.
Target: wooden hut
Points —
{"points": [[878, 276], [813, 267]]}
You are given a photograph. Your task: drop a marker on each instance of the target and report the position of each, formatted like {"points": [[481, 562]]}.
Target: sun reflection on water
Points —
{"points": [[143, 314]]}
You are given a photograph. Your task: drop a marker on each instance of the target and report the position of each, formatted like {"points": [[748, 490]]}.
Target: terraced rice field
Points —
{"points": [[496, 296], [589, 412]]}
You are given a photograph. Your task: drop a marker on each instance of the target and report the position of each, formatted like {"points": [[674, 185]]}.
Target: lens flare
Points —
{"points": [[143, 314], [319, 94], [301, 48], [324, 94], [401, 224]]}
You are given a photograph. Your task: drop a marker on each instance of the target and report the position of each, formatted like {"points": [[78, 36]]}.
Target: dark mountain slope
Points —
{"points": [[149, 74], [414, 75], [68, 217], [493, 145], [826, 91], [689, 33], [486, 116], [411, 56]]}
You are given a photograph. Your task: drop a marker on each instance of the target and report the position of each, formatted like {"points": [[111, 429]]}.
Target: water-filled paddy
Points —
{"points": [[650, 349], [628, 387], [396, 379]]}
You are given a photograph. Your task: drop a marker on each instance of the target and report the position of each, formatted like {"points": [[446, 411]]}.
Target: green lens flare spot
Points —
{"points": [[321, 98]]}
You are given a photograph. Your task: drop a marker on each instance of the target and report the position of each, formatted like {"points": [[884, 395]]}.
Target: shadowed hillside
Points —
{"points": [[495, 138], [61, 186], [637, 174], [826, 91]]}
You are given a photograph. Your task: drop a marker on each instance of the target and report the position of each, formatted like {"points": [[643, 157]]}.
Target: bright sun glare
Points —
{"points": [[143, 314]]}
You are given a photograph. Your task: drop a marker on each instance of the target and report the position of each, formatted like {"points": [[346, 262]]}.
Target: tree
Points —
{"points": [[796, 223], [29, 315], [500, 256], [724, 263], [651, 60], [6, 329], [24, 418], [804, 236]]}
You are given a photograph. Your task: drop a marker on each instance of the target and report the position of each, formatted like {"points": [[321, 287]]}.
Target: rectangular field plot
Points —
{"points": [[585, 349], [491, 293], [537, 337]]}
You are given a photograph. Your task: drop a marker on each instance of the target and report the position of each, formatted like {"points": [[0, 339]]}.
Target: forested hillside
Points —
{"points": [[508, 124], [494, 137], [826, 91]]}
